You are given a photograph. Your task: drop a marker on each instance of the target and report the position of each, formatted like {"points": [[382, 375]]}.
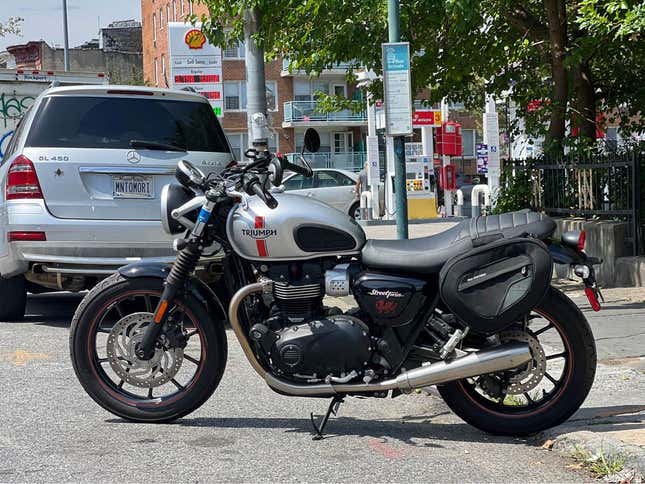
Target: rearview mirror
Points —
{"points": [[312, 140], [189, 175]]}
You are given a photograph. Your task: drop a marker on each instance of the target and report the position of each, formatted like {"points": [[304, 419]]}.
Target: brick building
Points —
{"points": [[290, 95], [117, 52]]}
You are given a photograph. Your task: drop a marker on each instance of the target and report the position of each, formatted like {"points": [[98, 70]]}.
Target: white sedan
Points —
{"points": [[332, 186]]}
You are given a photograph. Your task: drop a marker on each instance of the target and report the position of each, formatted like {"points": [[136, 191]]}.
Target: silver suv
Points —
{"points": [[80, 184]]}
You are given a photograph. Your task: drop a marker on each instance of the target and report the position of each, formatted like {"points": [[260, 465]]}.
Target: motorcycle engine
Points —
{"points": [[304, 340]]}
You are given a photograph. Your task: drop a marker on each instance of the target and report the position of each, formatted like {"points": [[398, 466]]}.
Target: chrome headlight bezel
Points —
{"points": [[174, 196]]}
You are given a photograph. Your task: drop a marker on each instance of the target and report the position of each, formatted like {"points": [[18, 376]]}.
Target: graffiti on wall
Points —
{"points": [[12, 107]]}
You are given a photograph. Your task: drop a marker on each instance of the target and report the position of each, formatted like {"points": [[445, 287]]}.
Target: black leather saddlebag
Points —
{"points": [[493, 286]]}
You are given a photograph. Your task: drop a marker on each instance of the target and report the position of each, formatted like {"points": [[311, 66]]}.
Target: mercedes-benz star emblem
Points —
{"points": [[133, 157]]}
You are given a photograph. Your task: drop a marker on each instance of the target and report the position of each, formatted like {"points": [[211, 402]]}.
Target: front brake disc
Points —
{"points": [[121, 345]]}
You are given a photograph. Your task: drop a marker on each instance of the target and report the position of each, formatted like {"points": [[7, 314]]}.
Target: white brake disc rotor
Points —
{"points": [[121, 343], [532, 375]]}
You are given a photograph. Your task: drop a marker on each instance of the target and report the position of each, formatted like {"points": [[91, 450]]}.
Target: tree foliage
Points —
{"points": [[574, 57], [11, 26]]}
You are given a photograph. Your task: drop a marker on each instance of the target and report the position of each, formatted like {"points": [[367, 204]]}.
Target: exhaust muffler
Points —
{"points": [[499, 358]]}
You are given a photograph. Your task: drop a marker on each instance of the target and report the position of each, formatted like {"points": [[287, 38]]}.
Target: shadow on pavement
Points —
{"points": [[397, 429], [52, 309]]}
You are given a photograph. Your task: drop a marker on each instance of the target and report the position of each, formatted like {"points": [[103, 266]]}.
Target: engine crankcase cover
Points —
{"points": [[321, 347]]}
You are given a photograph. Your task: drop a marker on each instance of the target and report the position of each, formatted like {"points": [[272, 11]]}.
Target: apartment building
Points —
{"points": [[291, 96]]}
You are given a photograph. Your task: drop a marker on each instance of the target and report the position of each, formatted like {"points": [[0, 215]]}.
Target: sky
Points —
{"points": [[44, 19]]}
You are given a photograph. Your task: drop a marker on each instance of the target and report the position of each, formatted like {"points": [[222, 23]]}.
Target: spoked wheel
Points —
{"points": [[543, 393], [185, 369]]}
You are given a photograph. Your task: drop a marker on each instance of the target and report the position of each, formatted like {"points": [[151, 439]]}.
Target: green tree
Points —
{"points": [[573, 56], [11, 26]]}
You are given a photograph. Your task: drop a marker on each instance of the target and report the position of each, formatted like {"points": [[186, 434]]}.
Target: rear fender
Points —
{"points": [[194, 286]]}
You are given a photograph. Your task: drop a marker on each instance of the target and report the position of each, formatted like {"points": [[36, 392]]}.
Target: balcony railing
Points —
{"points": [[351, 161], [306, 111], [343, 66]]}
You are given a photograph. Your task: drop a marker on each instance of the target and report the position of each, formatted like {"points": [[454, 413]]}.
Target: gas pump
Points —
{"points": [[421, 184]]}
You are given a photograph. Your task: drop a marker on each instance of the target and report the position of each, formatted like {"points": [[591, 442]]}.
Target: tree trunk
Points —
{"points": [[585, 116], [556, 14]]}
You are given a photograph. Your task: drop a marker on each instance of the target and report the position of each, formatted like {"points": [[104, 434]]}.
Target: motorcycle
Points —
{"points": [[470, 310]]}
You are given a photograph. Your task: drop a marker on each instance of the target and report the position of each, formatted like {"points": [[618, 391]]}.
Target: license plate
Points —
{"points": [[132, 186]]}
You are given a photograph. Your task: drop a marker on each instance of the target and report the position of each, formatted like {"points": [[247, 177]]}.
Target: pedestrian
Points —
{"points": [[361, 183]]}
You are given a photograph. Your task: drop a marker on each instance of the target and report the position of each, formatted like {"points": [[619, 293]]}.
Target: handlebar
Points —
{"points": [[256, 187]]}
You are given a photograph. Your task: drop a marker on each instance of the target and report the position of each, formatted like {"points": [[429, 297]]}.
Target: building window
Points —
{"points": [[181, 8], [306, 90], [190, 6], [156, 72], [235, 95], [235, 51], [468, 142], [174, 10], [160, 19], [167, 13], [163, 70], [154, 27]]}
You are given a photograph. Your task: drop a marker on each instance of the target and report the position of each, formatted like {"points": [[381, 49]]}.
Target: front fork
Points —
{"points": [[181, 271]]}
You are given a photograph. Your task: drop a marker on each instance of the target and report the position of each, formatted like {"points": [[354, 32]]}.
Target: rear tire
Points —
{"points": [[355, 211], [13, 294], [87, 323], [495, 419]]}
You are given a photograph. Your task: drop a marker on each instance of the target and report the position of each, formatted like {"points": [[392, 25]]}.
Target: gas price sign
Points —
{"points": [[195, 63]]}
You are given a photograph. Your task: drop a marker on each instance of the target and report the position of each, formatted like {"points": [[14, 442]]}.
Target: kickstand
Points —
{"points": [[333, 408]]}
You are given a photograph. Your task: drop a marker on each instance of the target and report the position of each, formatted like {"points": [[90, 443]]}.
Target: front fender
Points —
{"points": [[194, 286]]}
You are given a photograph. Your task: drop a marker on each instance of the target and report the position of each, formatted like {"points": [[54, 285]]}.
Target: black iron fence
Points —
{"points": [[605, 186]]}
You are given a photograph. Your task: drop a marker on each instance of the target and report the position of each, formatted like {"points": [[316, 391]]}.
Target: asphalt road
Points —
{"points": [[52, 431]]}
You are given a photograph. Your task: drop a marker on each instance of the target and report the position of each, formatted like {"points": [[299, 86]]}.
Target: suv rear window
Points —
{"points": [[111, 122]]}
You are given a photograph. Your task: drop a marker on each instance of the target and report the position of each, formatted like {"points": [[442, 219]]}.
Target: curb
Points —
{"points": [[596, 445]]}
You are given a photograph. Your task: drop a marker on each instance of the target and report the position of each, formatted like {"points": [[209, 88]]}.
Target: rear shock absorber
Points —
{"points": [[183, 267]]}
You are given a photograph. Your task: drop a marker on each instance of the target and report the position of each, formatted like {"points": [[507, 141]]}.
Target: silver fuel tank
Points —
{"points": [[299, 228]]}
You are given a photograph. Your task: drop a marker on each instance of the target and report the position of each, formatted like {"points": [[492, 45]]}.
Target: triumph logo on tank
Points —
{"points": [[385, 294], [259, 234]]}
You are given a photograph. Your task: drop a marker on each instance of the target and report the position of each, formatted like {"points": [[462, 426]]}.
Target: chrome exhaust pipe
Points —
{"points": [[491, 360]]}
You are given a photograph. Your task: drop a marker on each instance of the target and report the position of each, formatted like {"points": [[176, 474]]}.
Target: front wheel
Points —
{"points": [[548, 390], [185, 370]]}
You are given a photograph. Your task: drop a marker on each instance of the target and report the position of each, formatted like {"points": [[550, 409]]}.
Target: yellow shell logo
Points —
{"points": [[195, 39]]}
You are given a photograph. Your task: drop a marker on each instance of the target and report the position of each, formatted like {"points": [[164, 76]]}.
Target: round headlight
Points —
{"points": [[172, 197]]}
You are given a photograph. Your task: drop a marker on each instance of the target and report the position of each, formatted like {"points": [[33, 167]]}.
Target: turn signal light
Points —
{"points": [[26, 237], [22, 181], [582, 238]]}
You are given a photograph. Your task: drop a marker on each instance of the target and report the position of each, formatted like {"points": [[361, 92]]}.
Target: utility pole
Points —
{"points": [[394, 35], [66, 37], [256, 101]]}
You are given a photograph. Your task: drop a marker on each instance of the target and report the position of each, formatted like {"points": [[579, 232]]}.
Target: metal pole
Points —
{"points": [[66, 37], [394, 34], [256, 101]]}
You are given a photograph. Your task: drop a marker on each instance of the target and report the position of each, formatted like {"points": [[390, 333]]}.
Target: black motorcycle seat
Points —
{"points": [[426, 255]]}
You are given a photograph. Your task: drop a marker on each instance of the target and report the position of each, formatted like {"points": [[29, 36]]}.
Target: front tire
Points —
{"points": [[13, 294], [111, 303], [518, 419]]}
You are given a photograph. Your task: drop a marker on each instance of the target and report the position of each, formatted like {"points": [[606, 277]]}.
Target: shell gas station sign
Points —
{"points": [[195, 64], [429, 118]]}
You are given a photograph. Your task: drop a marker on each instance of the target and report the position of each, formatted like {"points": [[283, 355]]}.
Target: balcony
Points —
{"points": [[350, 161], [305, 114], [339, 68]]}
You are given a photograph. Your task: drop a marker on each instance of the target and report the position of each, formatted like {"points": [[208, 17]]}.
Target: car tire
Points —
{"points": [[355, 211], [13, 294]]}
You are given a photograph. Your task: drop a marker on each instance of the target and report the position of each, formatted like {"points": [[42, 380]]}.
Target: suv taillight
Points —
{"points": [[22, 181]]}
